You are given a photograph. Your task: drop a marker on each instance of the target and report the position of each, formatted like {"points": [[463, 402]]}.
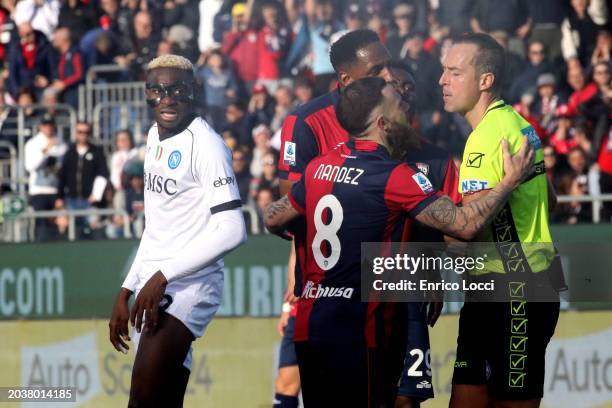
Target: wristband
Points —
{"points": [[286, 307]]}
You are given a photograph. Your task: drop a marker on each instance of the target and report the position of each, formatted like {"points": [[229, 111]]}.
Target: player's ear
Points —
{"points": [[486, 81], [382, 123], [344, 78]]}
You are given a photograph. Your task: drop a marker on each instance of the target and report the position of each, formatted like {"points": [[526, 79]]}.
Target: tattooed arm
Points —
{"points": [[478, 210], [278, 214]]}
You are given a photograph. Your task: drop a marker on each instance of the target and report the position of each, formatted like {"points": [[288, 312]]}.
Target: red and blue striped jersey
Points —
{"points": [[355, 193]]}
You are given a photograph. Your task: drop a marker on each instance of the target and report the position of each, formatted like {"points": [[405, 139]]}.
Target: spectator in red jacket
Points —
{"points": [[241, 45], [70, 71], [273, 42], [582, 91]]}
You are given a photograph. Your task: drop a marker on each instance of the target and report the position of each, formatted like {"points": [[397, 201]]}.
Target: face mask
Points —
{"points": [[179, 91]]}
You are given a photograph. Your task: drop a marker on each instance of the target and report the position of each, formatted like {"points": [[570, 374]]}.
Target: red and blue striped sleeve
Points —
{"points": [[298, 147], [409, 191]]}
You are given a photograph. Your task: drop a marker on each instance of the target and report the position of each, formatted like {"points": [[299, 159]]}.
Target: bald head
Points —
{"points": [[26, 33], [143, 25], [61, 39]]}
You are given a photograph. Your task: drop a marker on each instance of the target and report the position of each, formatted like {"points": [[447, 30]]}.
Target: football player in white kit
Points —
{"points": [[193, 218]]}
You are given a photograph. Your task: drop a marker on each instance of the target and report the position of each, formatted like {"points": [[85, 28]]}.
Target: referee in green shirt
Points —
{"points": [[501, 346]]}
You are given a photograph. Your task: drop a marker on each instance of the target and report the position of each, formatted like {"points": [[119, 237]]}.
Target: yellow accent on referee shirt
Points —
{"points": [[482, 168]]}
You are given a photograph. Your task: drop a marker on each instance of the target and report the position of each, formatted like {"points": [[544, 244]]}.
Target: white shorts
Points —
{"points": [[194, 304]]}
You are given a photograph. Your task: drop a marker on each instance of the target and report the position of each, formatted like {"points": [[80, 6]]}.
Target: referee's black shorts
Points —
{"points": [[341, 375], [503, 345]]}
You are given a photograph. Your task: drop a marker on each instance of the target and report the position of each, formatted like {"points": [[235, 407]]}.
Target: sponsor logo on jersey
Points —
{"points": [[474, 160], [159, 151], [461, 364], [223, 181], [312, 291], [423, 167], [338, 174], [174, 159], [532, 136], [289, 154], [470, 186], [159, 184], [423, 182], [423, 384]]}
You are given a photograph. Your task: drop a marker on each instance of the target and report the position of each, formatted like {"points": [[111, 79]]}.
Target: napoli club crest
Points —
{"points": [[174, 159]]}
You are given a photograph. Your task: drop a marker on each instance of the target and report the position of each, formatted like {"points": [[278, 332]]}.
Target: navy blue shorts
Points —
{"points": [[415, 380], [287, 355]]}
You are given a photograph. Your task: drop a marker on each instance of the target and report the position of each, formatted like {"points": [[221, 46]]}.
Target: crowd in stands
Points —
{"points": [[257, 60]]}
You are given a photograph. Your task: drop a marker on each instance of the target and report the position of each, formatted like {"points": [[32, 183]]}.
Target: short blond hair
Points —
{"points": [[170, 61]]}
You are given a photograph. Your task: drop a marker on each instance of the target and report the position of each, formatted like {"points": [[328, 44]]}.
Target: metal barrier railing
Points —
{"points": [[94, 91], [71, 214], [12, 165], [596, 200], [108, 117]]}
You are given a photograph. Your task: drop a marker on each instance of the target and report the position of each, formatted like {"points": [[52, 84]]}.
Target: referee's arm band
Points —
{"points": [[230, 205]]}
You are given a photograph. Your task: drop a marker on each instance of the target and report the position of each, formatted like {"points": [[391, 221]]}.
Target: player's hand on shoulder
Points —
{"points": [[147, 302], [519, 166], [118, 324]]}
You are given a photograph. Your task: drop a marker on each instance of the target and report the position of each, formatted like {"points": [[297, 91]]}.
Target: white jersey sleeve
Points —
{"points": [[225, 230]]}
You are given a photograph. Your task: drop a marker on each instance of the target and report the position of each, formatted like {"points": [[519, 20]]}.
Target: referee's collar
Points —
{"points": [[495, 105]]}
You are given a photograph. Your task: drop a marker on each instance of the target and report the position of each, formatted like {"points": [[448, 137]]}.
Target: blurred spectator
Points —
{"points": [[43, 158], [603, 44], [264, 198], [403, 17], [553, 171], [283, 105], [268, 179], [261, 107], [304, 90], [41, 14], [109, 19], [547, 101], [427, 72], [527, 80], [82, 164], [240, 44], [545, 18], [323, 25], [142, 48], [604, 162], [273, 42], [261, 138], [579, 32], [123, 151], [78, 16], [8, 131], [508, 16], [601, 76], [6, 28], [514, 62], [454, 16], [238, 124], [576, 184], [134, 195], [583, 92], [353, 19], [31, 61], [208, 36], [220, 87], [70, 70], [240, 164]]}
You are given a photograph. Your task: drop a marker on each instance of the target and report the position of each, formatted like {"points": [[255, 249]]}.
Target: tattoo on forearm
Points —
{"points": [[442, 211], [277, 208], [468, 220]]}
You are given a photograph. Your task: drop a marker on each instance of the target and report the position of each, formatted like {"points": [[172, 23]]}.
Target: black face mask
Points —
{"points": [[179, 91]]}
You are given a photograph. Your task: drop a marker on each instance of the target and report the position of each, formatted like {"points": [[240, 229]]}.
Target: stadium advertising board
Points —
{"points": [[234, 367], [81, 279]]}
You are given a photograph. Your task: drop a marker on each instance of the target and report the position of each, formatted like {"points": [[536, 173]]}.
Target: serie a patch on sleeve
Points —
{"points": [[423, 183]]}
